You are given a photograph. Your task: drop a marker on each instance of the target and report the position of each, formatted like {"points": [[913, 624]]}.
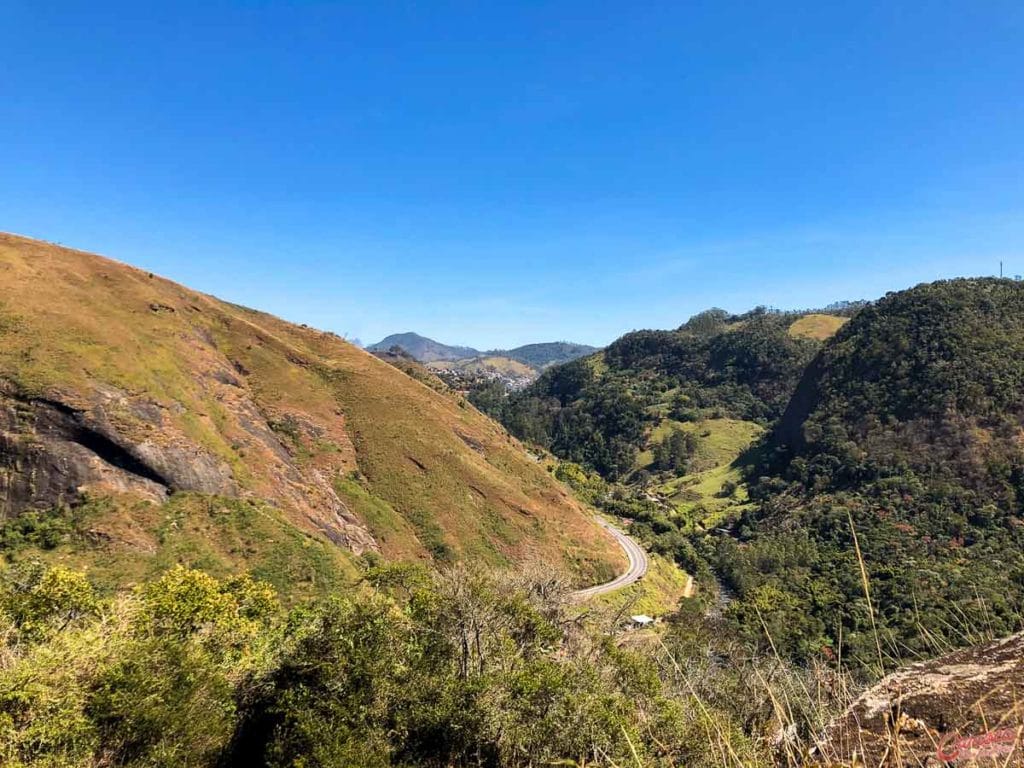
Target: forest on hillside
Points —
{"points": [[881, 510], [596, 411], [906, 433]]}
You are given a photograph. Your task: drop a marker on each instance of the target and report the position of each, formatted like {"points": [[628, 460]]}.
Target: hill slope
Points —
{"points": [[547, 353], [117, 382], [939, 359], [616, 409], [817, 326]]}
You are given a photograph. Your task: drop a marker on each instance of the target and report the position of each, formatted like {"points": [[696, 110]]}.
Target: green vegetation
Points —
{"points": [[455, 669], [393, 531], [609, 412], [489, 396], [658, 593], [146, 679], [905, 431], [705, 499], [548, 353], [847, 496], [121, 541]]}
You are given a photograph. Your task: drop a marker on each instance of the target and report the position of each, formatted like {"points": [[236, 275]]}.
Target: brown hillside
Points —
{"points": [[115, 381]]}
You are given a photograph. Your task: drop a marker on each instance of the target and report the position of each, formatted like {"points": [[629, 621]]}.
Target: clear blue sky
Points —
{"points": [[499, 173]]}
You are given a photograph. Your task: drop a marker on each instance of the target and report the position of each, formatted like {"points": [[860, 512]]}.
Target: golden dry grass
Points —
{"points": [[816, 326], [434, 476]]}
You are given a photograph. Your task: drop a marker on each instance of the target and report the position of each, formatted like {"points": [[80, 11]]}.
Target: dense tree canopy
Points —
{"points": [[902, 440], [906, 430], [597, 410]]}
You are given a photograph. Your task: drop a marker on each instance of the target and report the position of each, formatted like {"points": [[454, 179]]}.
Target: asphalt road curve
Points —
{"points": [[637, 564]]}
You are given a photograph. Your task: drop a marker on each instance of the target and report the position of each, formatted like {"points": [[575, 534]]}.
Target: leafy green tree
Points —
{"points": [[41, 600], [675, 451]]}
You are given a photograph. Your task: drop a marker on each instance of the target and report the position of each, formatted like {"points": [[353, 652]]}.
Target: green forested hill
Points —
{"points": [[907, 428], [606, 409], [930, 379], [547, 353], [904, 429]]}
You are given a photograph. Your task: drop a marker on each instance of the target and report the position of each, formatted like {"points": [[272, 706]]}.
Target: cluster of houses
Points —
{"points": [[463, 380]]}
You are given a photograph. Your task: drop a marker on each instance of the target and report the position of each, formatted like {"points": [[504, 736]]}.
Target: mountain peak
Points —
{"points": [[422, 348]]}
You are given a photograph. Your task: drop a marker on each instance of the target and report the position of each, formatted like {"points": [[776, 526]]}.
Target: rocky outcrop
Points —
{"points": [[965, 708], [50, 454], [52, 451], [55, 449]]}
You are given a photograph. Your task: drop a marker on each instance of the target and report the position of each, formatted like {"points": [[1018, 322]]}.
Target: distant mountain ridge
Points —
{"points": [[423, 349], [546, 353], [426, 350]]}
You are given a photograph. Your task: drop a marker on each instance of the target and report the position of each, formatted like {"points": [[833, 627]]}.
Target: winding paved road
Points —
{"points": [[637, 563]]}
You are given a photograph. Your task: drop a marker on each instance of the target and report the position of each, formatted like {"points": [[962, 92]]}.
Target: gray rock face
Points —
{"points": [[187, 469], [52, 452], [49, 455], [965, 708]]}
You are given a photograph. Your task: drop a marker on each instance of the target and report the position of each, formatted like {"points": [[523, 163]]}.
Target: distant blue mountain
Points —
{"points": [[535, 355]]}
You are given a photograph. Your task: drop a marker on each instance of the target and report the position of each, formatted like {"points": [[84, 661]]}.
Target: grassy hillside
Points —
{"points": [[817, 326], [120, 542], [408, 365], [116, 382], [713, 485]]}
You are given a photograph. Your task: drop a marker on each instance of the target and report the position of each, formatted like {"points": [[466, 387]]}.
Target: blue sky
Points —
{"points": [[500, 173]]}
